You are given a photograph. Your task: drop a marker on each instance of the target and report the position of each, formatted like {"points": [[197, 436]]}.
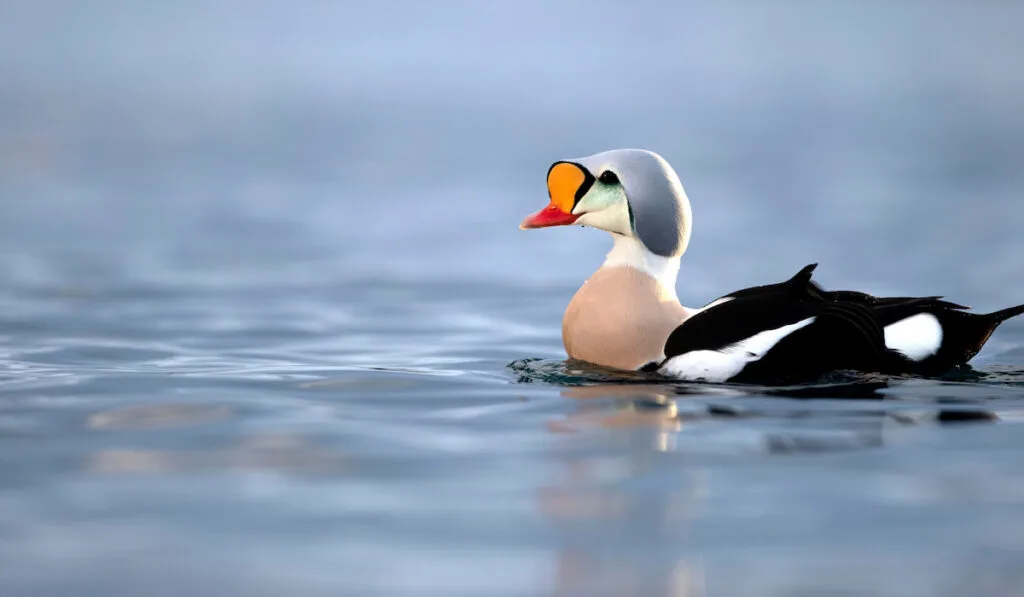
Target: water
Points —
{"points": [[267, 325]]}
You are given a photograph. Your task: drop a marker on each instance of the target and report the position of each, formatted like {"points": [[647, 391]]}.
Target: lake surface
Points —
{"points": [[268, 326]]}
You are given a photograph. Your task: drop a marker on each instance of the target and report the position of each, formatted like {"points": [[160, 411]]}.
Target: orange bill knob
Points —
{"points": [[565, 181]]}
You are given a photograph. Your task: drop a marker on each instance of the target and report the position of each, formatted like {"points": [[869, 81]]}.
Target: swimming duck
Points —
{"points": [[627, 315]]}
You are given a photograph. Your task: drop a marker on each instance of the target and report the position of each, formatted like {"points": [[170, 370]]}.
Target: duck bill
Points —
{"points": [[549, 216], [567, 183]]}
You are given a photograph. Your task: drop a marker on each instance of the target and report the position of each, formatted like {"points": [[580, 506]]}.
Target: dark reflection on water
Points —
{"points": [[261, 284], [638, 400]]}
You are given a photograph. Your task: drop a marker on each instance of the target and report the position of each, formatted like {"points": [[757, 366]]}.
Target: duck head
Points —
{"points": [[631, 193]]}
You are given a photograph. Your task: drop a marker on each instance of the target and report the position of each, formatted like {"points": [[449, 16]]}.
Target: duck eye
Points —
{"points": [[608, 177]]}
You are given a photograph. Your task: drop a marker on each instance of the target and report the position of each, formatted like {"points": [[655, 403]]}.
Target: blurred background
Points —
{"points": [[261, 282], [396, 137]]}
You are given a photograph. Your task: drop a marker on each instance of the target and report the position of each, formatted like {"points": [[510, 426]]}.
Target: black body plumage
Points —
{"points": [[847, 332]]}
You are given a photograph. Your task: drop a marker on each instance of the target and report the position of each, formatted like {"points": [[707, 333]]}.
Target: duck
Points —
{"points": [[627, 315]]}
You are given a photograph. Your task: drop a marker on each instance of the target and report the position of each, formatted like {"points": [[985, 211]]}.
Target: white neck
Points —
{"points": [[630, 252]]}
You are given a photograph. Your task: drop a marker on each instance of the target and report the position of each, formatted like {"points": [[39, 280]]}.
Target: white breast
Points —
{"points": [[723, 364]]}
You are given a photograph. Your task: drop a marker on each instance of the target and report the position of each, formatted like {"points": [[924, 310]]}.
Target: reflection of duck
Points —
{"points": [[627, 315], [620, 518]]}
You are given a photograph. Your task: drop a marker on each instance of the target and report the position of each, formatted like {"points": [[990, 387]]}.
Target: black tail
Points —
{"points": [[1003, 314], [974, 332]]}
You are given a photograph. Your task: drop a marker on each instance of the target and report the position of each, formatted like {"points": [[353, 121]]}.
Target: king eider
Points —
{"points": [[627, 315]]}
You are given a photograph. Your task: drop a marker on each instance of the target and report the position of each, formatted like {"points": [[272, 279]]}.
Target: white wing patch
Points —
{"points": [[710, 305], [917, 337], [721, 365]]}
